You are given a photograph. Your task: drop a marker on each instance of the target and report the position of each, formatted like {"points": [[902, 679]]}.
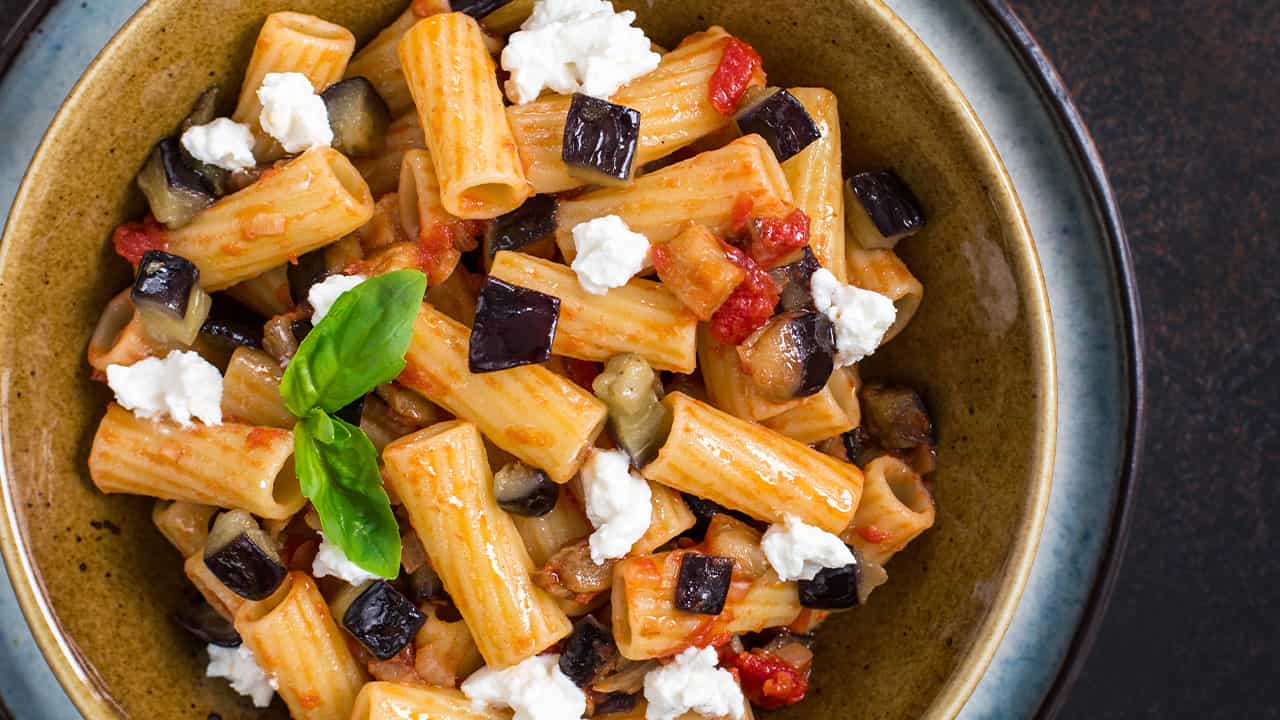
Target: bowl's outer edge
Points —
{"points": [[1073, 129], [92, 700]]}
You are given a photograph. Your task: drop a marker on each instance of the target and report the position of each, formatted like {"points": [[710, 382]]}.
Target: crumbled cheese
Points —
{"points": [[571, 46], [293, 113], [239, 665], [182, 385], [325, 293], [798, 551], [609, 254], [619, 504], [332, 560], [861, 317], [692, 682], [224, 143], [536, 689]]}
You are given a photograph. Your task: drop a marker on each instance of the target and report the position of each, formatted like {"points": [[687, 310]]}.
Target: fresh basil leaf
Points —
{"points": [[338, 469], [358, 346]]}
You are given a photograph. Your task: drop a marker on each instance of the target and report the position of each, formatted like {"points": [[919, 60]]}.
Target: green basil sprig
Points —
{"points": [[359, 345]]}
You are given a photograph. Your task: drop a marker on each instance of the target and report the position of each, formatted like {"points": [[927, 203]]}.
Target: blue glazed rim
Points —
{"points": [[1078, 138], [1079, 142]]}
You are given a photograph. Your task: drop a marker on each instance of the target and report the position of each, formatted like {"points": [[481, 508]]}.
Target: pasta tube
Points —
{"points": [[833, 411], [251, 390], [896, 507], [392, 701], [884, 272], [817, 182]]}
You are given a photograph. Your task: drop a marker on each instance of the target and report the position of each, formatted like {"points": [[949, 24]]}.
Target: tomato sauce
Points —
{"points": [[767, 681], [133, 240], [774, 238], [749, 306], [738, 66]]}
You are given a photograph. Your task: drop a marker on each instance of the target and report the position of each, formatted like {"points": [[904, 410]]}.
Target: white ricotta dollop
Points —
{"points": [[798, 551], [331, 560], [861, 317], [293, 113], [609, 254], [181, 385], [224, 143], [571, 46], [619, 504], [239, 665], [692, 682], [536, 689], [325, 293]]}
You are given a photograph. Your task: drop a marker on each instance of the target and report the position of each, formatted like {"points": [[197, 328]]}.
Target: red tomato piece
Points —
{"points": [[873, 534], [133, 240], [749, 307], [774, 238], [767, 681], [737, 66]]}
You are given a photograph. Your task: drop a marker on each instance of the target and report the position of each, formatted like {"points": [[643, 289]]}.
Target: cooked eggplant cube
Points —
{"points": [[168, 297], [782, 121], [895, 416], [880, 209], [794, 279], [614, 702], [600, 140], [358, 115], [524, 226], [204, 112], [638, 420], [426, 586], [792, 356], [241, 555], [202, 621], [379, 617], [523, 490], [174, 191], [514, 326], [231, 324], [831, 589], [587, 652], [704, 583], [476, 8], [310, 269]]}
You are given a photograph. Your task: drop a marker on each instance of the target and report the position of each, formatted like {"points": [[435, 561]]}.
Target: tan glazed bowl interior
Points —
{"points": [[98, 583]]}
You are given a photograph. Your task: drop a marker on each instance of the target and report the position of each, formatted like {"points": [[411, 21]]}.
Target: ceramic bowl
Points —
{"points": [[98, 583]]}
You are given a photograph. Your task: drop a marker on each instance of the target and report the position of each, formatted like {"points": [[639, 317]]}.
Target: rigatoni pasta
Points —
{"points": [[817, 181], [883, 272], [390, 701], [832, 411], [251, 390], [895, 509]]}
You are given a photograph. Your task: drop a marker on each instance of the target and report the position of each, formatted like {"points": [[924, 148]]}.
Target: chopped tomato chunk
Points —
{"points": [[749, 307], [738, 65], [133, 240], [767, 681], [873, 534], [774, 238]]}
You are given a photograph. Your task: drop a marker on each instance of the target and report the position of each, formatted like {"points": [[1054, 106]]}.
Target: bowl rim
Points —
{"points": [[93, 700]]}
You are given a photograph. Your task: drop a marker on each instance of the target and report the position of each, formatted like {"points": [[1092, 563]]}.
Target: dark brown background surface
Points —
{"points": [[1183, 98]]}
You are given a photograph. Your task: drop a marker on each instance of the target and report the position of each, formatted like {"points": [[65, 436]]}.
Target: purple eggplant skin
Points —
{"points": [[831, 589], [614, 702], [514, 326], [782, 121], [527, 224], [895, 416], [232, 324], [310, 269], [476, 8], [703, 584], [814, 330], [165, 281], [245, 568], [703, 510], [794, 279], [174, 191], [203, 622], [358, 115], [383, 620], [523, 490], [891, 205], [601, 140], [587, 652], [792, 356]]}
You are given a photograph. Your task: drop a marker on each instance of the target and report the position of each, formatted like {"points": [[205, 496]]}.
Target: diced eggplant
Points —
{"points": [[426, 586], [205, 112], [358, 115], [476, 8], [792, 356], [588, 652], [352, 412], [168, 297], [379, 617], [600, 141], [615, 702], [779, 118], [704, 510], [202, 621], [627, 677], [794, 279], [831, 589], [282, 335], [507, 18], [524, 490], [522, 227], [571, 572], [310, 269], [241, 555], [703, 584], [174, 191], [638, 420], [880, 209], [895, 416], [514, 326], [232, 325], [856, 447]]}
